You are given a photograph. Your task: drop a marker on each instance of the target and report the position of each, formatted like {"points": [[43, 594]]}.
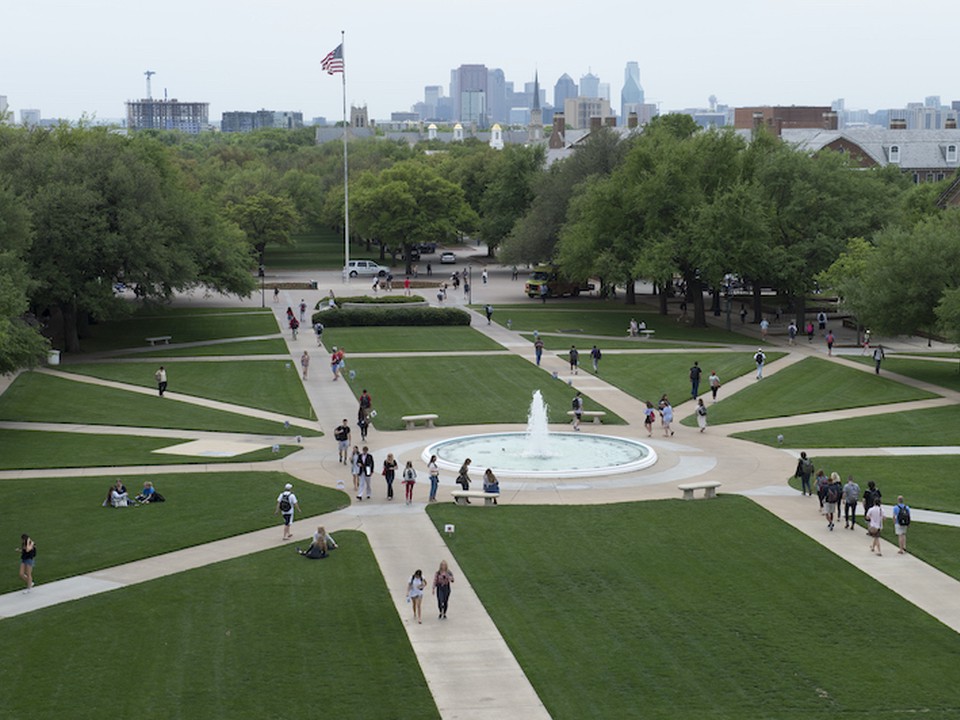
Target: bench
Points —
{"points": [[647, 333], [709, 488], [595, 414], [412, 420], [163, 339], [460, 496]]}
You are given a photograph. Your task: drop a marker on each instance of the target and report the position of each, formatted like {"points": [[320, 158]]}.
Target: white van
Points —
{"points": [[356, 268]]}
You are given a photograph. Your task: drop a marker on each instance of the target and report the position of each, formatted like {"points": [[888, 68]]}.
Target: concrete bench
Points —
{"points": [[709, 488], [412, 420], [162, 339], [597, 415], [460, 496], [648, 333]]}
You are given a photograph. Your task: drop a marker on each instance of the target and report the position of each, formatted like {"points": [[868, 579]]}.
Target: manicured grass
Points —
{"points": [[33, 449], [935, 372], [685, 606], [934, 426], [76, 535], [811, 385], [182, 324], [272, 385], [461, 390], [648, 377], [35, 397], [321, 249], [228, 347], [931, 482], [407, 339], [596, 317], [269, 635], [554, 342], [937, 545]]}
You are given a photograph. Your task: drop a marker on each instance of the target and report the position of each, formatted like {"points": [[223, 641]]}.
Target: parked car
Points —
{"points": [[427, 248], [369, 268], [448, 258], [413, 254]]}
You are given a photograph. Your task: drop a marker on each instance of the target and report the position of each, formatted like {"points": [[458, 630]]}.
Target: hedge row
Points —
{"points": [[380, 316], [383, 300]]}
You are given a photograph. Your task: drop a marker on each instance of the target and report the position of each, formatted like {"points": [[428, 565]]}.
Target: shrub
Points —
{"points": [[382, 316]]}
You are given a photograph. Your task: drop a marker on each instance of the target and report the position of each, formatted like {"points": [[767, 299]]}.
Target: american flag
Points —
{"points": [[333, 62]]}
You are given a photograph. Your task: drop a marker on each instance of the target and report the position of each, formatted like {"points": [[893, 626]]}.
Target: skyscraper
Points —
{"points": [[497, 108], [565, 88], [590, 86], [468, 87], [631, 97]]}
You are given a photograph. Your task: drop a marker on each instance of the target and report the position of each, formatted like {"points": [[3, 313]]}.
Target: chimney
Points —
{"points": [[830, 121], [559, 131], [596, 122], [610, 121], [950, 123], [633, 120], [898, 123]]}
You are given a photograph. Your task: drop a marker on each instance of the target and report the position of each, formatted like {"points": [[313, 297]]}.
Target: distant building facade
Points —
{"points": [[243, 121], [631, 96], [578, 111], [564, 88], [30, 117], [149, 114], [469, 90]]}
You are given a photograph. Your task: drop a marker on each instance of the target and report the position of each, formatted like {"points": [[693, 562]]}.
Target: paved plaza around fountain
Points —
{"points": [[403, 536]]}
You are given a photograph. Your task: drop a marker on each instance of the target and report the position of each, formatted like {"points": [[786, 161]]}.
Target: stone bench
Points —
{"points": [[648, 333], [460, 497], [709, 488], [162, 339], [412, 420], [597, 415]]}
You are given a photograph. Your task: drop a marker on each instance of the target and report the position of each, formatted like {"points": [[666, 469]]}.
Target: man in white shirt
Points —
{"points": [[286, 504]]}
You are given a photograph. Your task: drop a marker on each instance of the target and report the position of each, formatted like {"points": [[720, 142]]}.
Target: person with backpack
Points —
{"points": [[871, 494], [804, 471], [341, 434], [577, 405], [701, 414], [821, 484], [901, 521], [595, 355], [760, 358], [851, 495], [574, 360], [695, 373], [286, 504], [831, 498]]}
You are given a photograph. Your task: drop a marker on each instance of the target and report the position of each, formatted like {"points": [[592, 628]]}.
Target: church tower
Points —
{"points": [[536, 114]]}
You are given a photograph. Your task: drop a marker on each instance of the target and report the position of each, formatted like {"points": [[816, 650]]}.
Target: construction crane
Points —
{"points": [[148, 73]]}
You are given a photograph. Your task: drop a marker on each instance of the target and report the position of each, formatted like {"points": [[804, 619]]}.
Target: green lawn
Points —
{"points": [[272, 385], [321, 249], [33, 449], [226, 347], [474, 390], [270, 635], [597, 317], [934, 426], [647, 377], [931, 482], [937, 545], [183, 324], [76, 535], [555, 342], [935, 372], [682, 609], [811, 385], [35, 397], [407, 339]]}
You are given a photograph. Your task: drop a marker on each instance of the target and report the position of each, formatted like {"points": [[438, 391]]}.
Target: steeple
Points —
{"points": [[535, 133], [536, 92]]}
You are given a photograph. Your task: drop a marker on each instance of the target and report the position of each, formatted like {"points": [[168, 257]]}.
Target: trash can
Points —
{"points": [[53, 357], [313, 284]]}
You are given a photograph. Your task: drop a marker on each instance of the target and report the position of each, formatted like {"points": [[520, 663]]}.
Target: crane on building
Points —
{"points": [[148, 73]]}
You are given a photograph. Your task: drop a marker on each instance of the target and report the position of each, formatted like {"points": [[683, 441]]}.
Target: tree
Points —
{"points": [[508, 192], [264, 218]]}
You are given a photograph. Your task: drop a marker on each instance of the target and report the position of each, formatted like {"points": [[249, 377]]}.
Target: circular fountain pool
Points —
{"points": [[561, 455]]}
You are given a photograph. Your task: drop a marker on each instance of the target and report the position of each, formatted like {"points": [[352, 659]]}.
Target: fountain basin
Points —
{"points": [[571, 455]]}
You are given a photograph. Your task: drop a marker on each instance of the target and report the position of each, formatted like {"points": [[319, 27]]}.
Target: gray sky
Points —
{"points": [[68, 58]]}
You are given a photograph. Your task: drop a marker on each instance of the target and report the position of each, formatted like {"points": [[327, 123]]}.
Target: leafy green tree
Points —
{"points": [[509, 192], [264, 219]]}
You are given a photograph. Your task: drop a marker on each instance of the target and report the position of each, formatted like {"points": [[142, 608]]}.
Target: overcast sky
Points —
{"points": [[68, 58]]}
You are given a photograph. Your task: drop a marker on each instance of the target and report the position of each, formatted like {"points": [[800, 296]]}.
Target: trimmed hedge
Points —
{"points": [[383, 300], [381, 316]]}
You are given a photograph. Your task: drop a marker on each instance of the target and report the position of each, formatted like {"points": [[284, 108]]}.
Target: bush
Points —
{"points": [[385, 300], [381, 316]]}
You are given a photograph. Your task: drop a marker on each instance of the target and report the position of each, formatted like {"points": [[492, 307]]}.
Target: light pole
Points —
{"points": [[262, 273], [470, 284]]}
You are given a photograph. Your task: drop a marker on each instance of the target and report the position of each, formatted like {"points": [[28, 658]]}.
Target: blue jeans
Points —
{"points": [[434, 483], [805, 484]]}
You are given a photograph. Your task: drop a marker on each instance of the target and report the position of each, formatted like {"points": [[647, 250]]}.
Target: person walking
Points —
{"points": [[851, 496], [366, 402], [829, 340], [875, 525], [335, 357], [577, 410], [822, 320], [303, 311], [543, 293], [595, 355], [161, 378], [821, 483], [433, 470], [442, 580], [276, 294], [286, 504], [488, 311], [701, 414], [870, 495], [415, 589], [341, 434], [305, 363], [294, 327], [574, 360], [409, 480], [318, 331], [743, 314], [649, 416], [484, 276], [666, 417], [804, 471], [901, 521], [760, 358], [355, 468], [463, 477], [28, 556], [695, 373], [792, 331], [764, 327], [878, 356], [390, 473], [831, 506], [366, 472], [538, 350], [363, 423], [714, 382], [809, 329]]}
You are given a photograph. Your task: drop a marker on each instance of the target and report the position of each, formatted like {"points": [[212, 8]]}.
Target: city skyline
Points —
{"points": [[243, 55]]}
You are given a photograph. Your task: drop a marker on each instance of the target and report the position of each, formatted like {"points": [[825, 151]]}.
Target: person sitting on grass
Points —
{"points": [[149, 494], [116, 495], [322, 544]]}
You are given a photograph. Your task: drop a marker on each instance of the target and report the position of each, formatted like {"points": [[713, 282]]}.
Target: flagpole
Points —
{"points": [[346, 191]]}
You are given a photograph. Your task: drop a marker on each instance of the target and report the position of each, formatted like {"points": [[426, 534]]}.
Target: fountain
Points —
{"points": [[541, 453]]}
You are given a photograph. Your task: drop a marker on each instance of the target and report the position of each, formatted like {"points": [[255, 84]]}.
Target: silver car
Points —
{"points": [[368, 268]]}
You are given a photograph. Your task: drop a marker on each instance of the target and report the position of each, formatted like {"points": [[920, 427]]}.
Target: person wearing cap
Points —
{"points": [[760, 358], [286, 503]]}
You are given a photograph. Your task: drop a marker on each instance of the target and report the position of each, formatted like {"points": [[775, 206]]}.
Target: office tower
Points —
{"points": [[431, 99], [497, 108], [30, 117], [932, 101], [468, 86], [589, 86], [150, 114], [631, 96], [565, 88]]}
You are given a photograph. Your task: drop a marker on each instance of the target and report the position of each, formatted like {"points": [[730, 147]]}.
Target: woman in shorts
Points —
{"points": [[28, 554]]}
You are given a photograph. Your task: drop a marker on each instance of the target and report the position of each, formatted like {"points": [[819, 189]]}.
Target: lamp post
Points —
{"points": [[470, 284], [262, 273]]}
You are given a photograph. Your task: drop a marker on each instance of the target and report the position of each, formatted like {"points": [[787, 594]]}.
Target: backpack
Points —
{"points": [[903, 515], [340, 433], [806, 466], [285, 505], [833, 495], [758, 358]]}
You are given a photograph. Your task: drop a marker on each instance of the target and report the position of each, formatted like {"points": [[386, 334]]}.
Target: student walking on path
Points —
{"points": [[433, 471], [389, 473], [305, 363], [851, 496], [714, 381], [595, 355], [901, 520], [442, 580], [409, 480], [286, 504], [804, 471], [701, 414], [415, 590], [161, 378], [538, 350], [878, 356], [574, 360], [760, 358], [875, 520], [695, 373], [28, 555]]}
